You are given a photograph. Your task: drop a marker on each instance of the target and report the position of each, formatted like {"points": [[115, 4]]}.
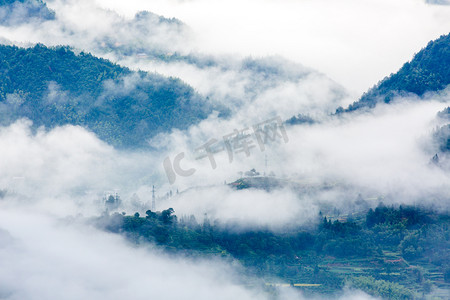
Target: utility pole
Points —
{"points": [[153, 199], [265, 163]]}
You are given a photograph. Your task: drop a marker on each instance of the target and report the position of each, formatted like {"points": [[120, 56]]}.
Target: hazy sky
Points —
{"points": [[355, 42]]}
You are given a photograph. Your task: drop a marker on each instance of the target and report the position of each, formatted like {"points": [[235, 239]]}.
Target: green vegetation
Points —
{"points": [[395, 253], [300, 119], [428, 71], [7, 2], [442, 134], [55, 86], [381, 288]]}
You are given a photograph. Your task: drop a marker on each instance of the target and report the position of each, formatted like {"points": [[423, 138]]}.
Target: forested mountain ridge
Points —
{"points": [[8, 2], [388, 252], [55, 86], [428, 71]]}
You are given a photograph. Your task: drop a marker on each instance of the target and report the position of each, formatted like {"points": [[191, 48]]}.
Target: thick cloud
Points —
{"points": [[87, 27], [66, 169], [42, 257], [246, 208], [253, 89], [46, 258], [382, 153], [354, 42], [385, 152]]}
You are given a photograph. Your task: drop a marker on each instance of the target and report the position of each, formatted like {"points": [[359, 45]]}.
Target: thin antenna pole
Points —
{"points": [[153, 199], [265, 163]]}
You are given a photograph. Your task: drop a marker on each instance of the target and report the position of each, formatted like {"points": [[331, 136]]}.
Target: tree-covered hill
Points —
{"points": [[428, 71], [389, 252], [8, 2], [55, 86]]}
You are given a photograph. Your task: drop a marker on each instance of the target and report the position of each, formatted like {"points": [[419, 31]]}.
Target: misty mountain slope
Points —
{"points": [[15, 12], [254, 88], [54, 86], [443, 138], [259, 87], [442, 134], [364, 238], [428, 71], [438, 2], [146, 35]]}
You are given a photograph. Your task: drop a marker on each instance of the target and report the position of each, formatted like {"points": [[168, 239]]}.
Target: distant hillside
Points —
{"points": [[442, 134], [300, 119], [8, 2], [15, 12], [428, 71], [54, 86]]}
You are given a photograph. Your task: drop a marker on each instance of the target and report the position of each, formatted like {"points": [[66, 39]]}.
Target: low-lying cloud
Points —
{"points": [[58, 259], [382, 153]]}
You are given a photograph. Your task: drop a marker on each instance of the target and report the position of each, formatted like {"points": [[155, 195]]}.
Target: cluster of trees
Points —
{"points": [[55, 86], [445, 114], [413, 232], [299, 254], [381, 288], [409, 216], [442, 134], [300, 119], [344, 240], [429, 70]]}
